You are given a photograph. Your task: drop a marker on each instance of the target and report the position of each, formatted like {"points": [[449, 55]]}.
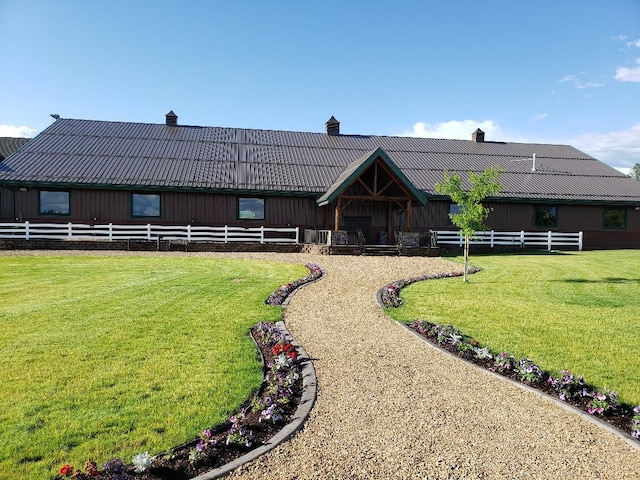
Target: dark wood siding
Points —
{"points": [[520, 216], [104, 206]]}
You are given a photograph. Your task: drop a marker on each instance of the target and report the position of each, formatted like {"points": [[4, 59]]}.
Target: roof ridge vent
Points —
{"points": [[333, 126], [478, 136], [172, 119]]}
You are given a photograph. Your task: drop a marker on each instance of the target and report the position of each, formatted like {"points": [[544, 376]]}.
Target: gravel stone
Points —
{"points": [[390, 406]]}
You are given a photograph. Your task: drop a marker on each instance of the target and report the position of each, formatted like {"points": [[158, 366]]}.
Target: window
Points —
{"points": [[251, 208], [54, 203], [145, 204], [454, 209], [615, 217], [546, 216]]}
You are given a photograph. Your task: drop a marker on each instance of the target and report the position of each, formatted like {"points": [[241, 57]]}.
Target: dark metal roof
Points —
{"points": [[119, 154], [8, 145]]}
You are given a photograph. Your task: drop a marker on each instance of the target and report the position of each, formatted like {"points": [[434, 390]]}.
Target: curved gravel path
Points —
{"points": [[390, 406]]}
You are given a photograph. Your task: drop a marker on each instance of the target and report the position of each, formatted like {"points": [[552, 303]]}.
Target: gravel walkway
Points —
{"points": [[391, 406]]}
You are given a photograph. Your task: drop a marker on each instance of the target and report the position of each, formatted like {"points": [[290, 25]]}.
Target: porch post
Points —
{"points": [[337, 215], [409, 217]]}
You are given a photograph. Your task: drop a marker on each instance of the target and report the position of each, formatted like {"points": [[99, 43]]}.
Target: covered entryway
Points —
{"points": [[372, 187], [360, 224]]}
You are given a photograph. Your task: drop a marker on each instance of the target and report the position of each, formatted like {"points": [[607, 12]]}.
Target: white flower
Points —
{"points": [[482, 352], [142, 461], [282, 361]]}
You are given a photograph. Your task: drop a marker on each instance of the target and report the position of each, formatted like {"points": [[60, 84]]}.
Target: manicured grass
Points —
{"points": [[577, 311], [113, 356]]}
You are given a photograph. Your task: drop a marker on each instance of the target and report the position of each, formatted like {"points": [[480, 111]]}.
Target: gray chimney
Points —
{"points": [[478, 136], [333, 126], [172, 119]]}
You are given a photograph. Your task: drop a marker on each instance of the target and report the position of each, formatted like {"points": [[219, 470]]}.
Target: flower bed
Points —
{"points": [[390, 294], [284, 291], [567, 387]]}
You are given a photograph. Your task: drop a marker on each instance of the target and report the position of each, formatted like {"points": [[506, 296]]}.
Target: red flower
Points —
{"points": [[66, 470], [286, 348]]}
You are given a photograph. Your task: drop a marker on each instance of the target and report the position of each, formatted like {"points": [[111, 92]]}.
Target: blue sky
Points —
{"points": [[548, 71]]}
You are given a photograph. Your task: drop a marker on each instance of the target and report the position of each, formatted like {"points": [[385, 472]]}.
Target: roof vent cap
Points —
{"points": [[478, 136], [172, 119], [333, 126]]}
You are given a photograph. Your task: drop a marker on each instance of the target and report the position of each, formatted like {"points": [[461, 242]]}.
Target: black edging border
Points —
{"points": [[307, 400], [581, 413]]}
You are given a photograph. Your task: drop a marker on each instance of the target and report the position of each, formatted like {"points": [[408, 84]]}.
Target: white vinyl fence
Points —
{"points": [[523, 239], [188, 233]]}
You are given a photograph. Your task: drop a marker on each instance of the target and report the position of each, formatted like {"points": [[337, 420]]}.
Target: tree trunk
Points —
{"points": [[466, 257]]}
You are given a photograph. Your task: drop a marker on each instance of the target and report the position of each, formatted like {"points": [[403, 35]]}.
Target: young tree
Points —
{"points": [[472, 213], [635, 172]]}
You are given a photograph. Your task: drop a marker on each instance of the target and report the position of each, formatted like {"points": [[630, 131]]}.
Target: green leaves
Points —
{"points": [[472, 213]]}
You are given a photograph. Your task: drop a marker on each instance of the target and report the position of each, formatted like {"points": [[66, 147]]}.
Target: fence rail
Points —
{"points": [[149, 232], [523, 239]]}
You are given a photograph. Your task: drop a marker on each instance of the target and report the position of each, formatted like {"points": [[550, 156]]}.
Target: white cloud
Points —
{"points": [[540, 116], [620, 149], [635, 43], [625, 74], [455, 129], [14, 131], [579, 83]]}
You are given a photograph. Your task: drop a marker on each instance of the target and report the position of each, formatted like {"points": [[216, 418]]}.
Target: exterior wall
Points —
{"points": [[198, 208], [104, 206], [521, 216]]}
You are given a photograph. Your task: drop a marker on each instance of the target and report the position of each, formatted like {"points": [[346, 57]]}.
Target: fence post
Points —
{"points": [[521, 238], [226, 240], [148, 231], [188, 232], [110, 231], [26, 230], [70, 230], [549, 241], [492, 232], [297, 235], [261, 234], [580, 241]]}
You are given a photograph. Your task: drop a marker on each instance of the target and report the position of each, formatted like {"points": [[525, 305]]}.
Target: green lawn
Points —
{"points": [[577, 311], [113, 356]]}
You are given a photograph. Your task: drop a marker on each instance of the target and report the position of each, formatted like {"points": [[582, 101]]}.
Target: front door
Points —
{"points": [[362, 223]]}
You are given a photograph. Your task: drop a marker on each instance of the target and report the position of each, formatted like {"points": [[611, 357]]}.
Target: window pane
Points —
{"points": [[546, 216], [614, 218], [54, 203], [251, 209], [454, 209], [145, 205]]}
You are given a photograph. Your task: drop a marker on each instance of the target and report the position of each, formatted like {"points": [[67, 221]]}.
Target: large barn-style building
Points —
{"points": [[127, 173]]}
